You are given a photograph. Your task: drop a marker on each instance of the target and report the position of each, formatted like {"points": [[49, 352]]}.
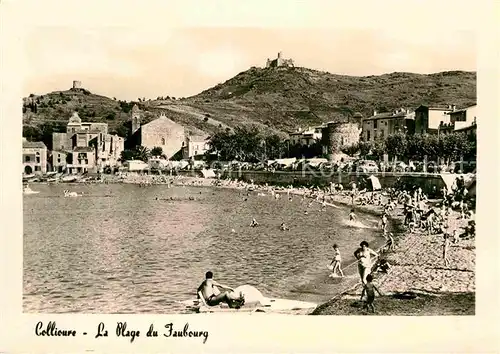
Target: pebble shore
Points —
{"points": [[417, 267]]}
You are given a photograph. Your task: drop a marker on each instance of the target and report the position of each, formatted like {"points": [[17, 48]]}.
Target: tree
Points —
{"points": [[142, 153], [364, 148], [453, 146], [127, 155], [139, 153], [110, 116], [351, 150], [396, 145], [157, 151]]}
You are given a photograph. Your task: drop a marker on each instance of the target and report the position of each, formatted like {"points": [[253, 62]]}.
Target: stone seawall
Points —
{"points": [[428, 182]]}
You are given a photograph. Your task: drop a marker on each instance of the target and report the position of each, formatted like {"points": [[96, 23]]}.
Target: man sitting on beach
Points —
{"points": [[209, 290]]}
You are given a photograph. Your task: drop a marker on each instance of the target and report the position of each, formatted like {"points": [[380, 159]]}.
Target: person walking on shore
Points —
{"points": [[363, 255], [336, 262]]}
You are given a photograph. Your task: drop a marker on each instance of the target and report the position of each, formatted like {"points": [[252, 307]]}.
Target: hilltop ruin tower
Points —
{"points": [[279, 62], [77, 84], [135, 118]]}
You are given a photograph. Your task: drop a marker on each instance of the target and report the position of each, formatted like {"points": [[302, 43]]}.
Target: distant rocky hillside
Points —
{"points": [[275, 99]]}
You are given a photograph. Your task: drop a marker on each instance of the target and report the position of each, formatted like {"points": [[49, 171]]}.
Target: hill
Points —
{"points": [[275, 99]]}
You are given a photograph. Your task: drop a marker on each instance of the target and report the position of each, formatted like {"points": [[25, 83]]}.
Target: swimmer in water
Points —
{"points": [[254, 223], [352, 216], [283, 227]]}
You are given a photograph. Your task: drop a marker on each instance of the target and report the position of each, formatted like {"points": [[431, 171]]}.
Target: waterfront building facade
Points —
{"points": [[195, 146], [428, 119], [83, 138], [34, 157], [161, 132], [58, 161], [381, 125]]}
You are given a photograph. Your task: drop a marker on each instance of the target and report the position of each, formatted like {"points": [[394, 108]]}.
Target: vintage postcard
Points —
{"points": [[249, 177]]}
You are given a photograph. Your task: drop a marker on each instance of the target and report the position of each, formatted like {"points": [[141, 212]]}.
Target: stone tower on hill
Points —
{"points": [[136, 119], [279, 62]]}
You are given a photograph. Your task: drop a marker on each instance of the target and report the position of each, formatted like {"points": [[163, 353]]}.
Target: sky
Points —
{"points": [[170, 49]]}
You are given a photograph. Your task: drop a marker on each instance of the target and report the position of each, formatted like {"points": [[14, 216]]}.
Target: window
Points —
{"points": [[37, 168], [367, 135], [38, 159], [374, 124], [26, 159], [58, 160], [385, 123]]}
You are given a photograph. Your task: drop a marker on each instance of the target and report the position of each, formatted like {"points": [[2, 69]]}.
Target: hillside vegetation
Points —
{"points": [[274, 100]]}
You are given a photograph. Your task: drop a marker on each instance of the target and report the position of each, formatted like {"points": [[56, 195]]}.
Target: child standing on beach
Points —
{"points": [[336, 262], [369, 289], [352, 216], [446, 245], [384, 224]]}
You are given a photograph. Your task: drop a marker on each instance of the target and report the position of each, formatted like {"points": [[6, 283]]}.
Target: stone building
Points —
{"points": [[335, 136], [381, 125], [161, 132], [306, 137], [77, 84], [58, 161], [195, 146], [429, 118], [93, 136], [279, 62], [34, 157]]}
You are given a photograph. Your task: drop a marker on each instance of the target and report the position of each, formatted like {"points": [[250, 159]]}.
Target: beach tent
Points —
{"points": [[449, 180], [208, 173], [374, 183]]}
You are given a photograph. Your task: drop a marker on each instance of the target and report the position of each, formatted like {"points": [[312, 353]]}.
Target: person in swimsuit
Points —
{"points": [[209, 289], [369, 289], [352, 216], [336, 262], [363, 255], [384, 223]]}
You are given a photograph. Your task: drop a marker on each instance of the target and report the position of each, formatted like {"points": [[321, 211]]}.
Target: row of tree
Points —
{"points": [[141, 153], [245, 144], [450, 147]]}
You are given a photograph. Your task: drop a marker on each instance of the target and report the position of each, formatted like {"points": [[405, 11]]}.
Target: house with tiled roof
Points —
{"points": [[381, 125], [461, 120], [428, 119], [195, 146], [83, 139], [34, 157]]}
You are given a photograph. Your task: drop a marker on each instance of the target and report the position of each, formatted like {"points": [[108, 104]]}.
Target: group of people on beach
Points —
{"points": [[419, 216]]}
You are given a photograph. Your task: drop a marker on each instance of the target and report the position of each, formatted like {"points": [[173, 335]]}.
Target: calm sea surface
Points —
{"points": [[126, 249]]}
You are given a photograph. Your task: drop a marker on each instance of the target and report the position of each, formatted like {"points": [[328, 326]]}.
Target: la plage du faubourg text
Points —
{"points": [[169, 331]]}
